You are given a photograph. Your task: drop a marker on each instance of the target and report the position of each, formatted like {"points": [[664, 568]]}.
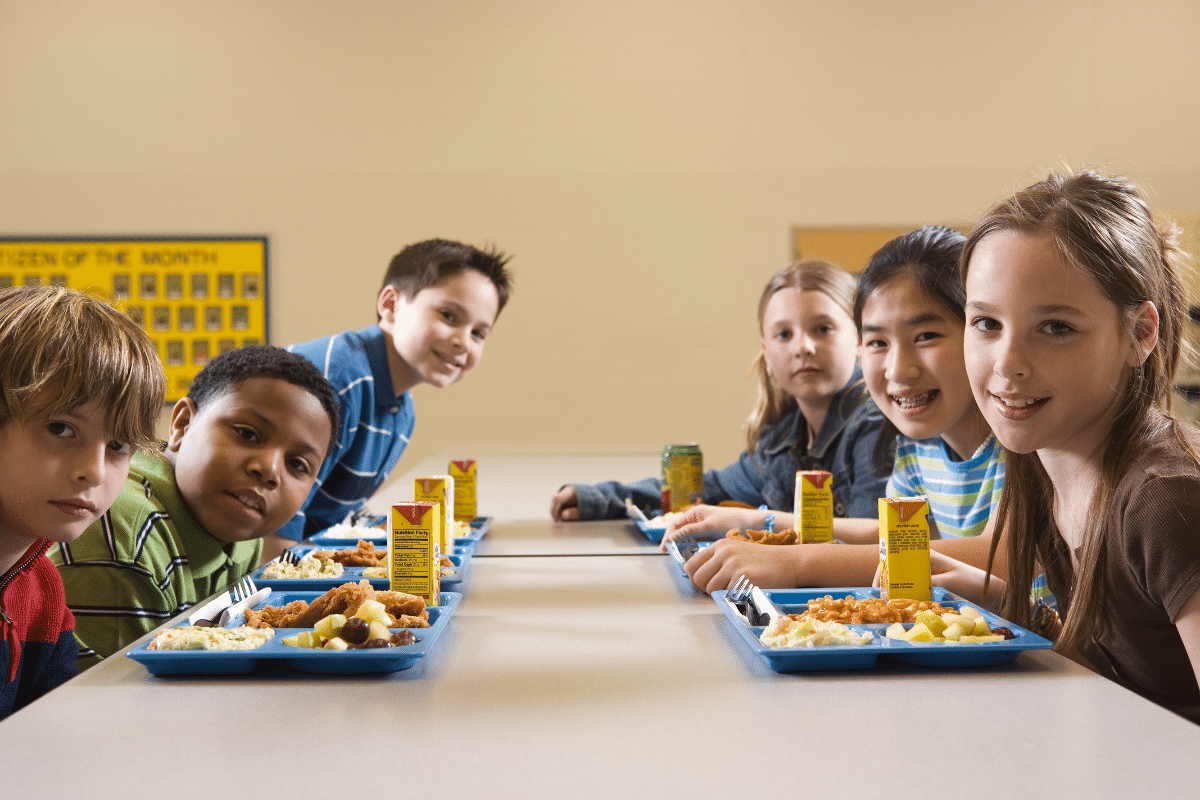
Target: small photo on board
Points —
{"points": [[212, 318], [187, 318], [162, 318], [240, 318], [199, 286], [200, 352], [148, 286], [174, 353], [120, 285], [174, 286], [225, 285], [58, 280], [137, 314], [249, 286], [32, 280], [6, 281], [225, 345]]}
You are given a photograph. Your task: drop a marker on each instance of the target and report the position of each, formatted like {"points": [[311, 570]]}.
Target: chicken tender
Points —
{"points": [[404, 610]]}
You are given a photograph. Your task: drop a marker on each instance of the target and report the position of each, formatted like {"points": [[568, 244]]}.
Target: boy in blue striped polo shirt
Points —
{"points": [[438, 304]]}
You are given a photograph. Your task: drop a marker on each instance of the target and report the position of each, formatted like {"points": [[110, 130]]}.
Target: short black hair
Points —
{"points": [[428, 263], [225, 372]]}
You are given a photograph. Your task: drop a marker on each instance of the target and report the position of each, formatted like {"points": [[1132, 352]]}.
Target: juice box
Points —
{"points": [[463, 472], [682, 476], [439, 489], [414, 556], [904, 548], [814, 506]]}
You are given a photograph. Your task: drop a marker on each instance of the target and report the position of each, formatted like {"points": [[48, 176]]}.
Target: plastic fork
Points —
{"points": [[288, 557], [687, 546], [738, 596], [242, 589]]}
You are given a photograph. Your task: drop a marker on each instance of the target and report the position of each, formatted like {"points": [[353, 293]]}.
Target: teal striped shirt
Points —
{"points": [[961, 493]]}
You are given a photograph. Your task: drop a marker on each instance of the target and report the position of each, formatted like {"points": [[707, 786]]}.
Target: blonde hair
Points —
{"points": [[63, 348], [806, 275], [1102, 226]]}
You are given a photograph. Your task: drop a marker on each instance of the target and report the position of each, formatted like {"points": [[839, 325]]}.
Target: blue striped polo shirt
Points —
{"points": [[376, 427], [961, 493]]}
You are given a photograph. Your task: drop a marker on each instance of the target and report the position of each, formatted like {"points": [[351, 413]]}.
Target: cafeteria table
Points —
{"points": [[589, 675]]}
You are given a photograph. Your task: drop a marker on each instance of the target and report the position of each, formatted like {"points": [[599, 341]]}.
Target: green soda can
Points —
{"points": [[682, 476]]}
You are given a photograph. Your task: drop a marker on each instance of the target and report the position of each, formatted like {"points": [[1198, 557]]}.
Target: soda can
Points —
{"points": [[682, 476]]}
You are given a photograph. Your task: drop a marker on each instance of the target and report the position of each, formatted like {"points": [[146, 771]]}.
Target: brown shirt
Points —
{"points": [[1154, 569]]}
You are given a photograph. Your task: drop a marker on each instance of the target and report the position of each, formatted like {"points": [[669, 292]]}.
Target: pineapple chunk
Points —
{"points": [[969, 611], [379, 630], [955, 630], [920, 633], [331, 626], [373, 611], [337, 643], [981, 627], [895, 631], [994, 637], [291, 641], [304, 639], [933, 622], [965, 622]]}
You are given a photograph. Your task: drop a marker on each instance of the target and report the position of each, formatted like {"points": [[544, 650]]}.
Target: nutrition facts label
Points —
{"points": [[196, 297]]}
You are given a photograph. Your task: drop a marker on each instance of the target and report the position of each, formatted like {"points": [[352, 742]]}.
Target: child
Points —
{"points": [[438, 304], [909, 310], [243, 450], [813, 411], [1075, 314], [81, 388]]}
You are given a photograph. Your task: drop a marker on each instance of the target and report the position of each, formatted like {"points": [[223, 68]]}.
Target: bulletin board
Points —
{"points": [[195, 297]]}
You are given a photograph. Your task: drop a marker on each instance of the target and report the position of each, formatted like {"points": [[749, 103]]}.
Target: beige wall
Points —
{"points": [[646, 162]]}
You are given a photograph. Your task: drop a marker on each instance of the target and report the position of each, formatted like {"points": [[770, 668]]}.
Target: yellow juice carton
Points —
{"points": [[463, 472], [904, 548], [439, 489], [814, 506], [414, 556]]}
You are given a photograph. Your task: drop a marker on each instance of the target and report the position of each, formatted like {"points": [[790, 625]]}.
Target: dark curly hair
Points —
{"points": [[222, 375]]}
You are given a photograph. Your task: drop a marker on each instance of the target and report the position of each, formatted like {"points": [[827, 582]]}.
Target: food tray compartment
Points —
{"points": [[652, 532], [274, 651], [461, 560], [847, 657]]}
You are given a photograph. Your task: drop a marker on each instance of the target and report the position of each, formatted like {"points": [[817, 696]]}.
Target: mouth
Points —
{"points": [[914, 401], [250, 500], [450, 361], [75, 508], [1019, 407]]}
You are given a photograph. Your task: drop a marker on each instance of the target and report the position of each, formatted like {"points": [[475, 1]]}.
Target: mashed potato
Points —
{"points": [[191, 637], [308, 567], [793, 631]]}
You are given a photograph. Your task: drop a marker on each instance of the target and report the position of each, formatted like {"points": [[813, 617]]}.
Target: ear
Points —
{"points": [[181, 417], [1145, 333], [385, 305]]}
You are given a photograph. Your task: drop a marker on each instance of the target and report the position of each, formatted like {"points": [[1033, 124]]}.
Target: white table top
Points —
{"points": [[594, 676]]}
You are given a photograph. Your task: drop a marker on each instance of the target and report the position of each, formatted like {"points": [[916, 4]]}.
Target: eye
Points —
{"points": [[1056, 327], [985, 324], [824, 330], [57, 428], [927, 336], [783, 335], [300, 466], [874, 344], [480, 335], [246, 432], [447, 315], [121, 448]]}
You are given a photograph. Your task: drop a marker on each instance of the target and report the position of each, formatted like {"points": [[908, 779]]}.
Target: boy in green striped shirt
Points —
{"points": [[243, 450]]}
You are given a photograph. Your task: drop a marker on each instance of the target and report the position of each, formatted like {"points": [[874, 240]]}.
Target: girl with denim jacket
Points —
{"points": [[813, 411]]}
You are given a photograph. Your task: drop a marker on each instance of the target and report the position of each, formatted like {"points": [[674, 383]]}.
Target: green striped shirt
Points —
{"points": [[143, 562]]}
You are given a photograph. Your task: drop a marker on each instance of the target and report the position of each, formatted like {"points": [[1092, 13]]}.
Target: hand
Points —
{"points": [[564, 506], [702, 521], [965, 580], [717, 566]]}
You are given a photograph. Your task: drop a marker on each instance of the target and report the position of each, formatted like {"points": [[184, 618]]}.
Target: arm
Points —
{"points": [[782, 566], [605, 500], [1187, 622]]}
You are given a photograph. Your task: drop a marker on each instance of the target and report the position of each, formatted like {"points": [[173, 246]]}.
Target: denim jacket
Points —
{"points": [[845, 447]]}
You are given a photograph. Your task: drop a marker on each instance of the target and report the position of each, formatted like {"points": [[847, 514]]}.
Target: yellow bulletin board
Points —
{"points": [[196, 297]]}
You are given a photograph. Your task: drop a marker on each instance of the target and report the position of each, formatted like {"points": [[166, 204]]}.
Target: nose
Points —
{"points": [[900, 366], [806, 344], [1011, 359], [266, 465], [92, 464]]}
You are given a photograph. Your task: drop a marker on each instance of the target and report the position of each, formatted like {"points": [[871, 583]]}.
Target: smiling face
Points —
{"points": [[245, 462], [437, 335], [912, 362], [809, 345], [57, 476], [1048, 354]]}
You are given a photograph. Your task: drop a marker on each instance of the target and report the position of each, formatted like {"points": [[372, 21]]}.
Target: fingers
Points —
{"points": [[564, 506]]}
